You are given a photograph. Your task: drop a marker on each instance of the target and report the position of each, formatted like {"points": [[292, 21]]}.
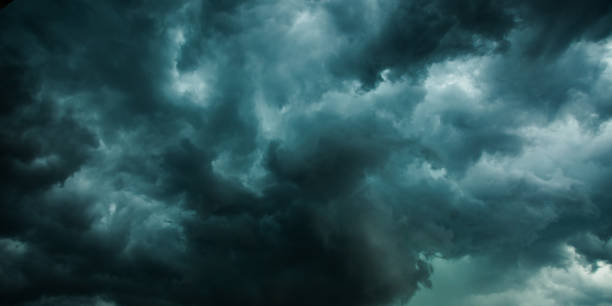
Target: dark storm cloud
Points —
{"points": [[559, 23], [409, 35], [412, 34], [295, 153]]}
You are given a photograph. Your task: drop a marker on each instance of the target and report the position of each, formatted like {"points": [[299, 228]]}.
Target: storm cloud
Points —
{"points": [[262, 152]]}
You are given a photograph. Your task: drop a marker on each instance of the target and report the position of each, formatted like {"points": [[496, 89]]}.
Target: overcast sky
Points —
{"points": [[330, 153]]}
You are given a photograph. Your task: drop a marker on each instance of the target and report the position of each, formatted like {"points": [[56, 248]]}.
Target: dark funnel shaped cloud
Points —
{"points": [[305, 153]]}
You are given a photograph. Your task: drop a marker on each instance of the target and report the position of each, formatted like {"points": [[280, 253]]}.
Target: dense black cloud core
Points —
{"points": [[302, 152]]}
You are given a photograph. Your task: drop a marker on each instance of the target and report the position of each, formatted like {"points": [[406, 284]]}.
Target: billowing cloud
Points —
{"points": [[305, 152]]}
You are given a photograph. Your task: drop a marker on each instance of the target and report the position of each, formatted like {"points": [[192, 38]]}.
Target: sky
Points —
{"points": [[306, 152]]}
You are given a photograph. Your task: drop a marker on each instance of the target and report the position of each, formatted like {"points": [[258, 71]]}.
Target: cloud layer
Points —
{"points": [[303, 152]]}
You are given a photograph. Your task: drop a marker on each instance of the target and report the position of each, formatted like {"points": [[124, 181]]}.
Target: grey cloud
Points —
{"points": [[298, 153]]}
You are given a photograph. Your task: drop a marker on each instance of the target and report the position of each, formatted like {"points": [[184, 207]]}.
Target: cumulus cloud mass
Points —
{"points": [[306, 152]]}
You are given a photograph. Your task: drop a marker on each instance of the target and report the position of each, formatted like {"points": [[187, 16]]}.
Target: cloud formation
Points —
{"points": [[304, 152]]}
